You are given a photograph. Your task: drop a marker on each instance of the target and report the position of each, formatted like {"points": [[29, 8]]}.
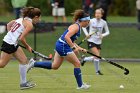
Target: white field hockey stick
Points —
{"points": [[38, 54], [86, 38]]}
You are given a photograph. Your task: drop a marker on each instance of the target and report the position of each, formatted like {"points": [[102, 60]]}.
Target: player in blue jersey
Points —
{"points": [[66, 48]]}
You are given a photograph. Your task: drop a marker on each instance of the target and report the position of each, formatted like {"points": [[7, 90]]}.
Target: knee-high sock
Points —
{"points": [[22, 71], [78, 76], [96, 64], [46, 65], [91, 58]]}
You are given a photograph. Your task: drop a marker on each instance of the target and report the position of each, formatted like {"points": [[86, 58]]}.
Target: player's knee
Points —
{"points": [[2, 65], [77, 64], [55, 68], [24, 62]]}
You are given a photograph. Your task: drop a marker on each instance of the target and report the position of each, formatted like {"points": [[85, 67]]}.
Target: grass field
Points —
{"points": [[121, 43], [120, 19], [63, 81]]}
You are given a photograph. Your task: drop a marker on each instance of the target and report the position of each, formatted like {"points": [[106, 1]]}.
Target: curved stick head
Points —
{"points": [[126, 71]]}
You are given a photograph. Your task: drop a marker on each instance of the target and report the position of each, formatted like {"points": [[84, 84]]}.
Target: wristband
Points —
{"points": [[73, 48]]}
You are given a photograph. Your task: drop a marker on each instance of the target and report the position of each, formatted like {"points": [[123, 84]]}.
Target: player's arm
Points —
{"points": [[9, 25], [80, 48], [72, 30], [85, 31], [106, 30], [92, 4], [28, 27], [88, 35]]}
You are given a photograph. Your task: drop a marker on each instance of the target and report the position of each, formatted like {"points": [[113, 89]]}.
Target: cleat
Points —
{"points": [[84, 86], [82, 60], [27, 85], [99, 73], [30, 64]]}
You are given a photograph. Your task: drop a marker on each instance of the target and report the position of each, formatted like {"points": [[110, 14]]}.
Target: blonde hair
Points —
{"points": [[102, 11]]}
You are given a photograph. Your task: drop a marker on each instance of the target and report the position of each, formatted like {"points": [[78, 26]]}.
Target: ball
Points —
{"points": [[121, 86]]}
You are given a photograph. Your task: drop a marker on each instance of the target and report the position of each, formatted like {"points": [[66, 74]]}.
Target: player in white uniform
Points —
{"points": [[17, 31], [95, 41]]}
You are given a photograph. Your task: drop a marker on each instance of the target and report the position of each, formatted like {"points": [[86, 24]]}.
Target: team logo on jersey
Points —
{"points": [[89, 44]]}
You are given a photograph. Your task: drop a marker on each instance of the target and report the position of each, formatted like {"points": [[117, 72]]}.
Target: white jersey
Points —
{"points": [[15, 32], [97, 25]]}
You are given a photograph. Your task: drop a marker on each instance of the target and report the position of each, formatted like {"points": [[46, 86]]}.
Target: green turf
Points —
{"points": [[63, 81], [121, 43], [124, 19]]}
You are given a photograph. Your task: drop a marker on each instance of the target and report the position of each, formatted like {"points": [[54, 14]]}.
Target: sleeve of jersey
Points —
{"points": [[106, 30], [85, 31]]}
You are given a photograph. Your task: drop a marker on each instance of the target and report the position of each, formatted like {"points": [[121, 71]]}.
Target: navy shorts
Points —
{"points": [[91, 45], [8, 48], [63, 48]]}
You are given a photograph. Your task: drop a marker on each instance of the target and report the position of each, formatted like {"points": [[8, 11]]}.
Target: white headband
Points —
{"points": [[85, 18]]}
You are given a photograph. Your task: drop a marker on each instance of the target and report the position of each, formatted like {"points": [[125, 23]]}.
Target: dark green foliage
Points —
{"points": [[44, 5], [119, 7], [123, 7]]}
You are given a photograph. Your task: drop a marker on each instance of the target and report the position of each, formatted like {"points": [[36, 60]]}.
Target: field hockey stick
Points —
{"points": [[112, 63], [86, 38], [38, 54]]}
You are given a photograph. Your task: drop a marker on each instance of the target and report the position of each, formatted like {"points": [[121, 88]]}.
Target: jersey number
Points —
{"points": [[15, 26]]}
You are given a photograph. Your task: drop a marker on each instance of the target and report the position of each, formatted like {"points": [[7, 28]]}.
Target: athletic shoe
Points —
{"points": [[30, 64], [27, 85], [82, 60], [99, 73], [84, 86]]}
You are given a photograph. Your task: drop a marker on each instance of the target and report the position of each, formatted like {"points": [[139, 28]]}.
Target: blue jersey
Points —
{"points": [[74, 37], [61, 45]]}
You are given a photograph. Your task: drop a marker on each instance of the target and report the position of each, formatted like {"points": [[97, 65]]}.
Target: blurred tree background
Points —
{"points": [[118, 7]]}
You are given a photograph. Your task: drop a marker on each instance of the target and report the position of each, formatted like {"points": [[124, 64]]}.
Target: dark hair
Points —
{"points": [[30, 12], [78, 14]]}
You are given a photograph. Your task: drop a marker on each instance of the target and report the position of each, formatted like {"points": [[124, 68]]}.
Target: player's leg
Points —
{"points": [[6, 54], [55, 19], [55, 14], [47, 65], [21, 57], [57, 61], [96, 51], [90, 58], [61, 13], [4, 59], [72, 58]]}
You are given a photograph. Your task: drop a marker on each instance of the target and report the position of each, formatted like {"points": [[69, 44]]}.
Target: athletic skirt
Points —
{"points": [[91, 45], [8, 48]]}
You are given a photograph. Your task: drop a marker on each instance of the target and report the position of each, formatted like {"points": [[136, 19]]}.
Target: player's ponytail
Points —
{"points": [[30, 12], [79, 14]]}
